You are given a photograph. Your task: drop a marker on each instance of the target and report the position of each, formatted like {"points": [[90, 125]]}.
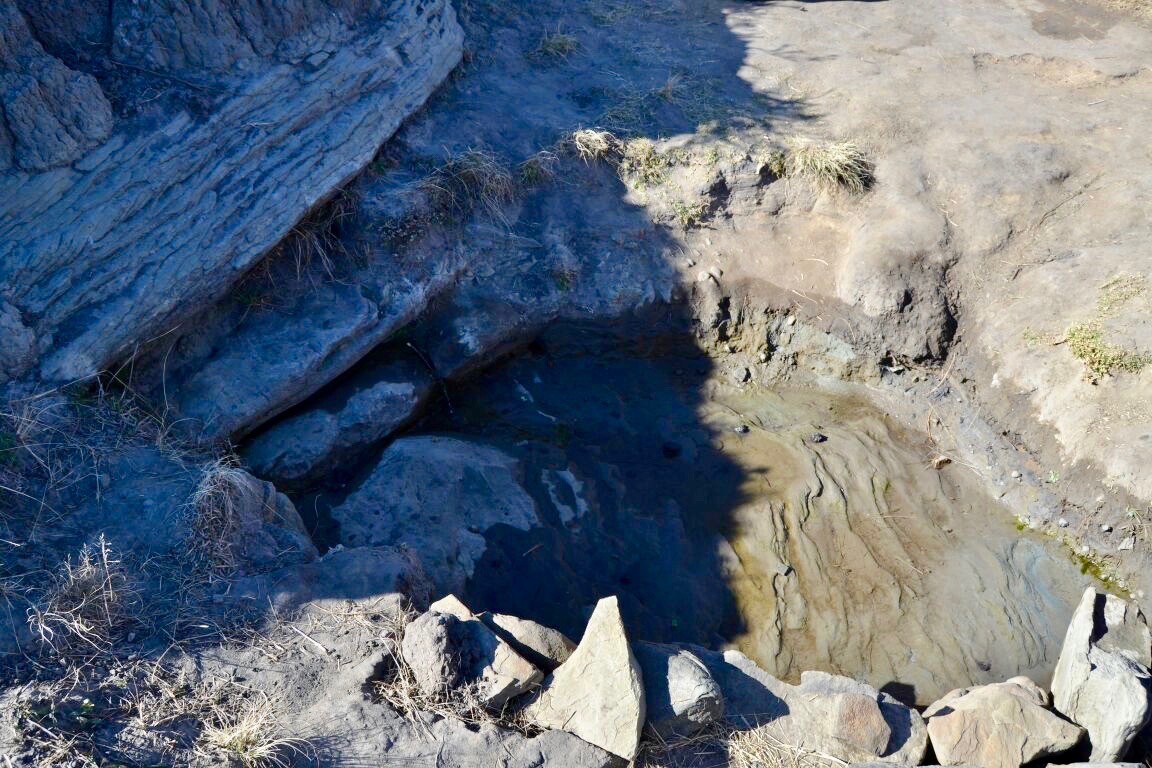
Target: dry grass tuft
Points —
{"points": [[835, 164], [689, 215], [252, 735], [725, 744], [473, 178], [88, 605], [223, 488], [558, 44], [595, 144]]}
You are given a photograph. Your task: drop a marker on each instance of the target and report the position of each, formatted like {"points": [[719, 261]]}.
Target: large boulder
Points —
{"points": [[908, 733], [829, 714], [450, 650], [115, 234], [437, 495], [1002, 725], [1102, 680], [681, 696], [598, 694]]}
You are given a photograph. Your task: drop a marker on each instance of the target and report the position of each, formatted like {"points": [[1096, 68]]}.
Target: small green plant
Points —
{"points": [[641, 163], [594, 144], [564, 278], [539, 168], [777, 163], [557, 45], [1086, 340], [689, 214], [838, 164]]}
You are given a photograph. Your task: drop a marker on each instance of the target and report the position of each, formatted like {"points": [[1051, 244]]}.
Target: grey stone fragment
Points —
{"points": [[307, 445], [1102, 680], [545, 647], [681, 696], [1001, 725]]}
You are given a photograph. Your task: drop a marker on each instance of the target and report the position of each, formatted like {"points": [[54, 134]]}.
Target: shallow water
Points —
{"points": [[806, 528]]}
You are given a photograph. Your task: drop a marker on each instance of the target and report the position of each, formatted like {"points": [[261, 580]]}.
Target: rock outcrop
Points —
{"points": [[1102, 680], [598, 694], [1002, 725], [437, 495], [306, 445], [155, 217]]}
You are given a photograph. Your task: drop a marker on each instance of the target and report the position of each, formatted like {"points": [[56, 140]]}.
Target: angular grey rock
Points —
{"points": [[598, 694], [997, 726], [826, 713], [447, 653], [545, 647], [159, 220], [1102, 680], [452, 606], [307, 445], [437, 495], [681, 696]]}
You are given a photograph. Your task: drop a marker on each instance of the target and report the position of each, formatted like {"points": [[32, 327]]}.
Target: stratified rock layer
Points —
{"points": [[155, 222]]}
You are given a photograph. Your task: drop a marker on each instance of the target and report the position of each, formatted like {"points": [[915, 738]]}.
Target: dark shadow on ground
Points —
{"points": [[632, 490]]}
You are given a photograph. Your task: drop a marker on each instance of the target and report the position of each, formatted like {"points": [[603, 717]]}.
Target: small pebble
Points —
{"points": [[690, 262], [741, 429], [1062, 523], [791, 320], [783, 569], [763, 357], [1105, 528], [1015, 474], [1085, 549], [816, 437]]}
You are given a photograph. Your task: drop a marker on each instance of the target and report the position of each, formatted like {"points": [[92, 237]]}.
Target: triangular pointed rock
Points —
{"points": [[598, 693]]}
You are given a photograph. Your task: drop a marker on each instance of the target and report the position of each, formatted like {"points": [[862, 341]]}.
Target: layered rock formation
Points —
{"points": [[116, 231]]}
